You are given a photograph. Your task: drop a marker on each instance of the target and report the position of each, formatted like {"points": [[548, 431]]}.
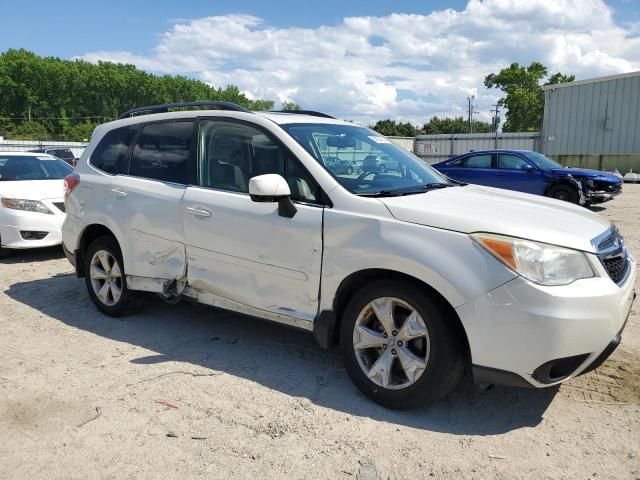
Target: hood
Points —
{"points": [[586, 173], [474, 208], [33, 189]]}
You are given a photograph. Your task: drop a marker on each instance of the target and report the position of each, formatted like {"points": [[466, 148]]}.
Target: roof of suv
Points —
{"points": [[279, 118]]}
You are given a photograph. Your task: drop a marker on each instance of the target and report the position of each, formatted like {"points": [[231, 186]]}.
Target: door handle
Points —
{"points": [[198, 212], [118, 192]]}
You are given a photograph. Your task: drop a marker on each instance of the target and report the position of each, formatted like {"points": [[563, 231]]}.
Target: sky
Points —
{"points": [[361, 60]]}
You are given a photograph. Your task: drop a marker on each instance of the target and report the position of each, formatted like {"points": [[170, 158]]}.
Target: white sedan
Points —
{"points": [[31, 200]]}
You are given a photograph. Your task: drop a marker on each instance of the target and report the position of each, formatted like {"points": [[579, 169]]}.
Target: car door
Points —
{"points": [[474, 168], [147, 200], [243, 251], [516, 173]]}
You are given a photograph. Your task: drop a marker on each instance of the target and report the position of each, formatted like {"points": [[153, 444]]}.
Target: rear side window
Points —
{"points": [[478, 161], [111, 153], [162, 152]]}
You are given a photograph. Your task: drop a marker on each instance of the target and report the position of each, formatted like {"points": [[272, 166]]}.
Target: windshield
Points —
{"points": [[541, 161], [15, 168], [364, 162]]}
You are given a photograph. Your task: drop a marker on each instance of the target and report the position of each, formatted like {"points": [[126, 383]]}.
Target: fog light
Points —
{"points": [[32, 234]]}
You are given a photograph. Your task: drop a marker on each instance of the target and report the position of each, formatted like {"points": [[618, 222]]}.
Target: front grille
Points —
{"points": [[616, 267], [60, 206], [613, 255]]}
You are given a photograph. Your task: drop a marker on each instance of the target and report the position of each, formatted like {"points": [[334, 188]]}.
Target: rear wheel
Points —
{"points": [[105, 279], [398, 347], [565, 193]]}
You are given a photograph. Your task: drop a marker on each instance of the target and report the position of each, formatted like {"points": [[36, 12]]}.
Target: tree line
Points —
{"points": [[54, 99], [47, 98]]}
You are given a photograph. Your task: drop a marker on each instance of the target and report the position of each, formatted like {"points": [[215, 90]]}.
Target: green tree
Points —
{"points": [[524, 97], [69, 97], [290, 106], [391, 128], [453, 125]]}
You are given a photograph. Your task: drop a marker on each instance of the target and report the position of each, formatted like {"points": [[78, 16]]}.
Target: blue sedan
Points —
{"points": [[532, 172]]}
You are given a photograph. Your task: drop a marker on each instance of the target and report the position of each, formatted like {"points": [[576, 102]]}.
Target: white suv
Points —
{"points": [[413, 275]]}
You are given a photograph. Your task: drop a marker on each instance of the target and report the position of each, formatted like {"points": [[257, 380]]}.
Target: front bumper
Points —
{"points": [[601, 197], [523, 334]]}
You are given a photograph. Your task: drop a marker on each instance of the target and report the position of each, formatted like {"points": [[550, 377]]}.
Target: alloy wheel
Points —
{"points": [[106, 277], [391, 343]]}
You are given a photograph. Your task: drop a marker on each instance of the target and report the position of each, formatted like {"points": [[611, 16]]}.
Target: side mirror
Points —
{"points": [[273, 188], [529, 169]]}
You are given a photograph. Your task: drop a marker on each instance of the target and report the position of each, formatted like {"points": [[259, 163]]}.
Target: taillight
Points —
{"points": [[71, 181]]}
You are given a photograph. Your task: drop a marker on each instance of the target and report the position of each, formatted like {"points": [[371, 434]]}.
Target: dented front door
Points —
{"points": [[244, 251]]}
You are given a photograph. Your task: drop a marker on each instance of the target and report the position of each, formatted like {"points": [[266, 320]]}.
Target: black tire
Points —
{"points": [[446, 358], [130, 301], [565, 193]]}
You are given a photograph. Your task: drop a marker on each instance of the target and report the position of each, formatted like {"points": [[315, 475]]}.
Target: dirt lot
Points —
{"points": [[185, 391]]}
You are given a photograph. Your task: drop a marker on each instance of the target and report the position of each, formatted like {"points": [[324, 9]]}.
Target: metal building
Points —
{"points": [[594, 123]]}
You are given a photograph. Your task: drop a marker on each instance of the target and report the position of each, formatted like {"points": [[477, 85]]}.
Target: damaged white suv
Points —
{"points": [[416, 277]]}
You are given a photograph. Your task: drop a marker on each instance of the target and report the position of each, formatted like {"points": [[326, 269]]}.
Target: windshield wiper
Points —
{"points": [[381, 193]]}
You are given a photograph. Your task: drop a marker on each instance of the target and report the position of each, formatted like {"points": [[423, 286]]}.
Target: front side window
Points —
{"points": [[162, 152], [364, 162], [45, 167], [542, 161], [478, 161], [512, 162], [111, 153], [231, 153]]}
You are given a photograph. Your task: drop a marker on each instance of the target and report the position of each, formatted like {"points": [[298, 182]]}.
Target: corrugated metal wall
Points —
{"points": [[593, 117], [404, 142], [434, 148]]}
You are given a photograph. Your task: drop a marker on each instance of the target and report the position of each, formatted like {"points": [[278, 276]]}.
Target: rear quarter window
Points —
{"points": [[110, 154], [162, 151]]}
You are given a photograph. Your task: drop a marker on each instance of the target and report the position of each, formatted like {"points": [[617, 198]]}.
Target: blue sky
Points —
{"points": [[403, 58]]}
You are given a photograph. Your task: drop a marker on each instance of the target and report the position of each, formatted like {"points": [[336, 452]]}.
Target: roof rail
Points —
{"points": [[304, 112], [163, 108]]}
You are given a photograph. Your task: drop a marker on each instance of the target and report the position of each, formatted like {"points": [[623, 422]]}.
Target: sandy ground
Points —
{"points": [[185, 391]]}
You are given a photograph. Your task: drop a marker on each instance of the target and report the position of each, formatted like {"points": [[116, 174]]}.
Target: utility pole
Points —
{"points": [[496, 122], [470, 112]]}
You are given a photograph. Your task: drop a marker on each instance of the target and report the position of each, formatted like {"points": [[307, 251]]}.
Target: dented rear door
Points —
{"points": [[148, 201]]}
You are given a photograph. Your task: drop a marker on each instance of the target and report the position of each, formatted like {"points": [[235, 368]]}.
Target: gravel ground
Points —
{"points": [[184, 391]]}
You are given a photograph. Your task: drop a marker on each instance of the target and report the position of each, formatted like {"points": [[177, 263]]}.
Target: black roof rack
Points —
{"points": [[304, 112], [163, 108]]}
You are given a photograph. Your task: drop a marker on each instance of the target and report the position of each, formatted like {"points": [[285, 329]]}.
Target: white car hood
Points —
{"points": [[473, 208], [33, 189]]}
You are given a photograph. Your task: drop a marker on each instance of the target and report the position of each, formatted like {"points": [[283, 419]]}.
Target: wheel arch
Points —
{"points": [[566, 181], [327, 325], [89, 234]]}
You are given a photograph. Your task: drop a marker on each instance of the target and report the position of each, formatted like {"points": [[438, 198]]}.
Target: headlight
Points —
{"points": [[26, 205], [539, 262]]}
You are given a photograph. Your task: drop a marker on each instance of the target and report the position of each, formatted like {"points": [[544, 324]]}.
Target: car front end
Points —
{"points": [[600, 190], [552, 329], [28, 223]]}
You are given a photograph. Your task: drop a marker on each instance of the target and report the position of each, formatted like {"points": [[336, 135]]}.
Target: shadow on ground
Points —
{"points": [[275, 356], [8, 256]]}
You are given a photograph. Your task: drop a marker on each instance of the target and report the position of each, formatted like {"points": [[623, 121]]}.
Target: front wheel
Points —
{"points": [[105, 279], [399, 347], [564, 193]]}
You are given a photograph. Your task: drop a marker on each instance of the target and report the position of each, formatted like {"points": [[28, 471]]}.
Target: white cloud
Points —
{"points": [[408, 67]]}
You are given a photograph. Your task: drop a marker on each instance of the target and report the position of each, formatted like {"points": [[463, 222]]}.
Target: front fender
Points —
{"points": [[450, 262]]}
